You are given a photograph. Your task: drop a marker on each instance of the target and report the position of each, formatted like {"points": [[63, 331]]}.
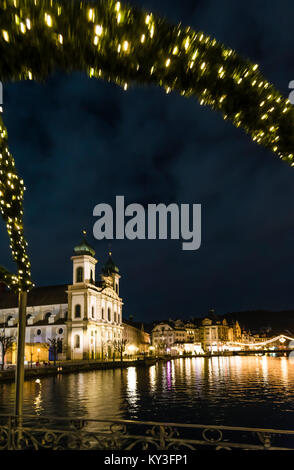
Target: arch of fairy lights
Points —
{"points": [[126, 45], [281, 338]]}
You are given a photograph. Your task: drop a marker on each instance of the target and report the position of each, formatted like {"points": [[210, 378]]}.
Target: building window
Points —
{"points": [[114, 316], [80, 274], [116, 287], [92, 277], [78, 311], [102, 313], [77, 341], [39, 332], [109, 314], [93, 313], [47, 316], [60, 331], [118, 318]]}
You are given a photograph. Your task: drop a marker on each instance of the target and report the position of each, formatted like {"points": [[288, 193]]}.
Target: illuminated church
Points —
{"points": [[84, 317]]}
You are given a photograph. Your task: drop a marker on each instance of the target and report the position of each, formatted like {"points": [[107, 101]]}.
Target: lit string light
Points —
{"points": [[111, 40], [281, 338]]}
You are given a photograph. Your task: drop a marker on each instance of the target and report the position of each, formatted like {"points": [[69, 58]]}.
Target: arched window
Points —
{"points": [[92, 277], [116, 287], [93, 312], [77, 341], [109, 314], [77, 311], [102, 313], [47, 316], [80, 274]]}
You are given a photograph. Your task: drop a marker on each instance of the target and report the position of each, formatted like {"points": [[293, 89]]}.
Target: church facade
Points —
{"points": [[84, 319]]}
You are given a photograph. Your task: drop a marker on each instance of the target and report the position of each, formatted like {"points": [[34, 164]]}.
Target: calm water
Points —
{"points": [[244, 391]]}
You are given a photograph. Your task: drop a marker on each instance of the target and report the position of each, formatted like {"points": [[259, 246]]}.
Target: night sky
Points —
{"points": [[78, 142]]}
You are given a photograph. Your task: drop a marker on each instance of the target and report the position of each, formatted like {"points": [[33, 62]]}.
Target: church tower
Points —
{"points": [[110, 274], [82, 295], [84, 263]]}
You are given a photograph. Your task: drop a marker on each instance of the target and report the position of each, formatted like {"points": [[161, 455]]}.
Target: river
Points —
{"points": [[253, 391]]}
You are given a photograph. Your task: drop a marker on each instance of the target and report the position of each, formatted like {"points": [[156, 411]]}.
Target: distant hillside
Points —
{"points": [[265, 321]]}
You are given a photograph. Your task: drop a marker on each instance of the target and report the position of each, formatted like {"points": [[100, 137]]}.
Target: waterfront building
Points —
{"points": [[84, 317], [166, 334], [136, 338], [209, 334]]}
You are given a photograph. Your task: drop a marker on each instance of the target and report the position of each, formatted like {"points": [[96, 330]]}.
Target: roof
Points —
{"points": [[46, 295], [84, 248], [109, 267]]}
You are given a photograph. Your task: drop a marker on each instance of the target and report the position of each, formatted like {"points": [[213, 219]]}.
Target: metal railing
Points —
{"points": [[46, 432]]}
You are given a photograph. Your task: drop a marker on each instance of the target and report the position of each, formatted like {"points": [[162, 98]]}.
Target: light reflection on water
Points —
{"points": [[248, 391]]}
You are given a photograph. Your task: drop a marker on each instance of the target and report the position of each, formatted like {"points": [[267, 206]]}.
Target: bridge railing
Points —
{"points": [[55, 433]]}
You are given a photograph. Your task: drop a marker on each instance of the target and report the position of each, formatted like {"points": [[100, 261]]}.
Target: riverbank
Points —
{"points": [[70, 367]]}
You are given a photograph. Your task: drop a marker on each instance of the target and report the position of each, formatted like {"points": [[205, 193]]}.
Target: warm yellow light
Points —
{"points": [[143, 38], [5, 35], [48, 20], [167, 63], [125, 46], [98, 29]]}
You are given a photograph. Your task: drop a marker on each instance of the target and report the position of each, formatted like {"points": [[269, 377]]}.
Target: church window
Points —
{"points": [[77, 341], [102, 313], [47, 316], [80, 274], [78, 311], [39, 332], [114, 316], [93, 313], [109, 314]]}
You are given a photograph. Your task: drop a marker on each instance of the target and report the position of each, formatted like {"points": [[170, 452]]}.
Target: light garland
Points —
{"points": [[281, 338], [114, 41]]}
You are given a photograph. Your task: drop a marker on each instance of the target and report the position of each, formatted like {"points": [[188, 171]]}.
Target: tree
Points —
{"points": [[6, 343], [119, 345], [55, 346]]}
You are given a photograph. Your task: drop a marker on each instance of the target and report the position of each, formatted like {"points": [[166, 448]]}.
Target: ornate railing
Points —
{"points": [[46, 432]]}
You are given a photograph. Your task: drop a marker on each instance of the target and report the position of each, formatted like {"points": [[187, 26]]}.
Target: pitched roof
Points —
{"points": [[45, 295]]}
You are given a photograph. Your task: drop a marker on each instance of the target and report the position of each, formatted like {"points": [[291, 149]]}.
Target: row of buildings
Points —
{"points": [[85, 321]]}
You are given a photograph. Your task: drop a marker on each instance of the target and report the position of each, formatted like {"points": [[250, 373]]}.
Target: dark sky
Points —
{"points": [[78, 142]]}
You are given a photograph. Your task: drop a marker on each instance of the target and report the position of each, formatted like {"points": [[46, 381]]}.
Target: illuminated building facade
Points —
{"points": [[137, 339], [85, 317]]}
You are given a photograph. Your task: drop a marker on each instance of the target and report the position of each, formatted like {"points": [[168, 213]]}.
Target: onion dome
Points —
{"points": [[84, 248], [109, 267]]}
